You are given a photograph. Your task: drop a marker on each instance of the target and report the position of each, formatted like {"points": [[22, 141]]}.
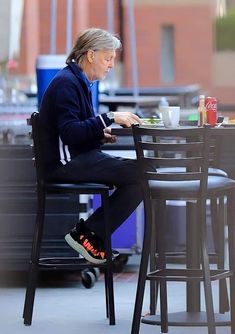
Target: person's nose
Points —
{"points": [[111, 64]]}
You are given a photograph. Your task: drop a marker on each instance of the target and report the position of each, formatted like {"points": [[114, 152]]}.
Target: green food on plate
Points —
{"points": [[153, 120]]}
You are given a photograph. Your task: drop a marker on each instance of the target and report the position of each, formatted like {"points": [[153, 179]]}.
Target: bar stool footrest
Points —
{"points": [[186, 274], [74, 262]]}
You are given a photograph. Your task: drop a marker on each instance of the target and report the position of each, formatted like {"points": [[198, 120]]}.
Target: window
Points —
{"points": [[221, 8], [167, 54]]}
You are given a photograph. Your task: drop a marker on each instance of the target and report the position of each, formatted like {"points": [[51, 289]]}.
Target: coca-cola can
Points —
{"points": [[211, 110]]}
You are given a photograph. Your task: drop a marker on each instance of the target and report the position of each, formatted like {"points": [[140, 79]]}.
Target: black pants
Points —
{"points": [[97, 166]]}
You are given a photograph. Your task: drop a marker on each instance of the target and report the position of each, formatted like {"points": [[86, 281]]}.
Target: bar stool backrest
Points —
{"points": [[182, 150], [38, 147]]}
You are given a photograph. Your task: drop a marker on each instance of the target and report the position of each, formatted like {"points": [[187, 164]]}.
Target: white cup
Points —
{"points": [[170, 116]]}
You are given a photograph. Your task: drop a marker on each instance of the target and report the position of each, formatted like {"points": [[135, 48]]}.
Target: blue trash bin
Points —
{"points": [[46, 68]]}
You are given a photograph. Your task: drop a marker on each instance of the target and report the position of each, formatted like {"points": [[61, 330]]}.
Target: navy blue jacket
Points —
{"points": [[69, 124]]}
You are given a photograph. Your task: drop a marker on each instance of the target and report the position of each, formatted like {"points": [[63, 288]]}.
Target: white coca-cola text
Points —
{"points": [[210, 105]]}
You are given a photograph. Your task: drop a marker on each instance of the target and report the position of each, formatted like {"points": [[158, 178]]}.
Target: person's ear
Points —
{"points": [[90, 56]]}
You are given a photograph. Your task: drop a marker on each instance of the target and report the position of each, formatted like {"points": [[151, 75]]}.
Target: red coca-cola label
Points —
{"points": [[211, 110], [211, 103]]}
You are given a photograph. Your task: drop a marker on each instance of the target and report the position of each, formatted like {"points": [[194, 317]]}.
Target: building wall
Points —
{"points": [[29, 38], [80, 15], [224, 76], [193, 44], [193, 22], [4, 30], [36, 29]]}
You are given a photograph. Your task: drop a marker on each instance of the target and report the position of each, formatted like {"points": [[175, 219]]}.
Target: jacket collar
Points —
{"points": [[77, 71]]}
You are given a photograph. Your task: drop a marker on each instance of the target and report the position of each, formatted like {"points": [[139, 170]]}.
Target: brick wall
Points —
{"points": [[192, 21], [193, 44]]}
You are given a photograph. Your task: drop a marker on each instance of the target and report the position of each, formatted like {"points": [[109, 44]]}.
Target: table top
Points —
{"points": [[221, 130]]}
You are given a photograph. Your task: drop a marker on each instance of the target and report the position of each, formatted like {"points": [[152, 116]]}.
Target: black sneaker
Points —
{"points": [[86, 243]]}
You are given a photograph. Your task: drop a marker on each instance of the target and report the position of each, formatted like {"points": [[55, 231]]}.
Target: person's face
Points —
{"points": [[101, 62]]}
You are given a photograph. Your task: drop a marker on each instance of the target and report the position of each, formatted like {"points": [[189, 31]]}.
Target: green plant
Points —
{"points": [[225, 31]]}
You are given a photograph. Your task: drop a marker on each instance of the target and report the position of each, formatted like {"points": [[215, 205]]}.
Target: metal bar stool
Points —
{"points": [[157, 148], [44, 188], [218, 217]]}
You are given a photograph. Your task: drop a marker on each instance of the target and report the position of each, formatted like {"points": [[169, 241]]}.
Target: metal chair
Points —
{"points": [[218, 216], [186, 148], [43, 189]]}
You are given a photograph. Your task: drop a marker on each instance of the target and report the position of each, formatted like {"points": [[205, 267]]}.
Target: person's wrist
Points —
{"points": [[110, 115]]}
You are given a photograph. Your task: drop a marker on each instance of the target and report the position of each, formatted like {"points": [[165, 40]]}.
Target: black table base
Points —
{"points": [[187, 319]]}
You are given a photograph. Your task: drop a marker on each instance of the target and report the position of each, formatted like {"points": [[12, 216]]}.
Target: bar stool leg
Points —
{"points": [[217, 223], [206, 271], [109, 268], [192, 258], [142, 270], [106, 293], [231, 247], [161, 242], [33, 270], [152, 266]]}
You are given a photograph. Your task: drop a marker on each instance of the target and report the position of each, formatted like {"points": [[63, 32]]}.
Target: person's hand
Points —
{"points": [[126, 118], [108, 137]]}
